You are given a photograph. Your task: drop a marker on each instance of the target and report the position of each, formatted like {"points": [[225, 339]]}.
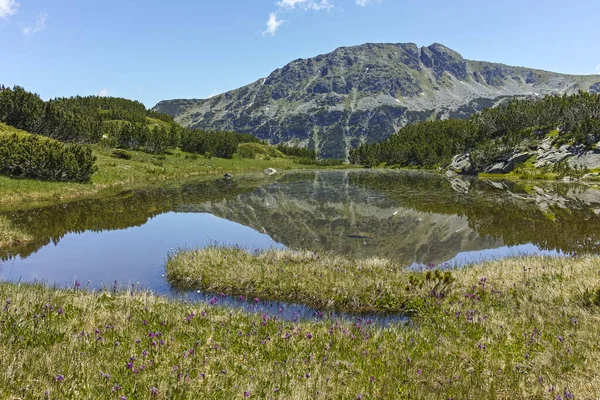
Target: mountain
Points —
{"points": [[358, 94]]}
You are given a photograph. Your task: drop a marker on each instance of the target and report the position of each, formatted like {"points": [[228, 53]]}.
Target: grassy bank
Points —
{"points": [[142, 170], [521, 328], [323, 282]]}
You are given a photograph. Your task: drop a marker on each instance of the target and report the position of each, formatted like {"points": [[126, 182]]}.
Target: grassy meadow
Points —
{"points": [[518, 328]]}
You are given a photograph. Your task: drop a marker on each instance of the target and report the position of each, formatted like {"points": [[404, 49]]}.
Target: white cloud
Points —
{"points": [[305, 4], [287, 6], [364, 3], [103, 92], [40, 25], [273, 24], [8, 8]]}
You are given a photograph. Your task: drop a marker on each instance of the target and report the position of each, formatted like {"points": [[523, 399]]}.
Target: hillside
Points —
{"points": [[359, 94]]}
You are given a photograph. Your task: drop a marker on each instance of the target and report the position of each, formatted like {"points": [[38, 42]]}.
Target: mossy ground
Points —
{"points": [[520, 328]]}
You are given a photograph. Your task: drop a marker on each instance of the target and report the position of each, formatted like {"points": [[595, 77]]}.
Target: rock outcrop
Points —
{"points": [[463, 165]]}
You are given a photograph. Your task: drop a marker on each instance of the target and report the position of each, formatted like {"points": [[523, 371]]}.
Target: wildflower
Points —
{"points": [[419, 372], [309, 336], [372, 379], [256, 300], [60, 378], [247, 393], [153, 391], [117, 387]]}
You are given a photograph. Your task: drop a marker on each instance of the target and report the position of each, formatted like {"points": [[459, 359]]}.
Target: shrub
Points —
{"points": [[123, 154], [36, 157], [254, 150], [297, 151], [321, 163], [218, 144]]}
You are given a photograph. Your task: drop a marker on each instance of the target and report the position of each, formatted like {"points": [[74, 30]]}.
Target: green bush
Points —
{"points": [[297, 151], [36, 157], [254, 150], [218, 144], [123, 154], [332, 162]]}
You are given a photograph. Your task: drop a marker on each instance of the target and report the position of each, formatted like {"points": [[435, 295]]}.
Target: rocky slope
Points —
{"points": [[365, 93]]}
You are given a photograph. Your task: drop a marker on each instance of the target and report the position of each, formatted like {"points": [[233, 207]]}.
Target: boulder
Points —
{"points": [[590, 139], [496, 168], [270, 171], [508, 163], [551, 156], [589, 160], [462, 165]]}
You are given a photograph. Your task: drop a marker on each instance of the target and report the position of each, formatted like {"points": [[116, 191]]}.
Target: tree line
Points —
{"points": [[111, 122]]}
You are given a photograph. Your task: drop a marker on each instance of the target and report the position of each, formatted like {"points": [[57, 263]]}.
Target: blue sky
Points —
{"points": [[154, 50]]}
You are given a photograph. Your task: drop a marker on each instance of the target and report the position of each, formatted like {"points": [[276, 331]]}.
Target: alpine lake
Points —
{"points": [[417, 219]]}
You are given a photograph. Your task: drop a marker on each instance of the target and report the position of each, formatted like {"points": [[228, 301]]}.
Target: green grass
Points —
{"points": [[512, 329], [321, 281]]}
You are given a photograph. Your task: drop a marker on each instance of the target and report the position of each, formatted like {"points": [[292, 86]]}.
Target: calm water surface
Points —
{"points": [[414, 218]]}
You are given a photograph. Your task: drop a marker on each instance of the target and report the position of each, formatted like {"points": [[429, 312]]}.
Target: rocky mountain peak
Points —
{"points": [[354, 94]]}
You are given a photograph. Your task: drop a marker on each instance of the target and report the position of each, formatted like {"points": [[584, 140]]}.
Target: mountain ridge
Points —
{"points": [[365, 93]]}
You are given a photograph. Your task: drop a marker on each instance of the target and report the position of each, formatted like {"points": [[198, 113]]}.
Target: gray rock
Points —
{"points": [[519, 158], [508, 164], [591, 139], [496, 168], [462, 165], [551, 156], [270, 171], [589, 160]]}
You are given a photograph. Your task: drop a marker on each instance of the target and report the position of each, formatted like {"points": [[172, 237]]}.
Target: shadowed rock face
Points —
{"points": [[365, 93]]}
